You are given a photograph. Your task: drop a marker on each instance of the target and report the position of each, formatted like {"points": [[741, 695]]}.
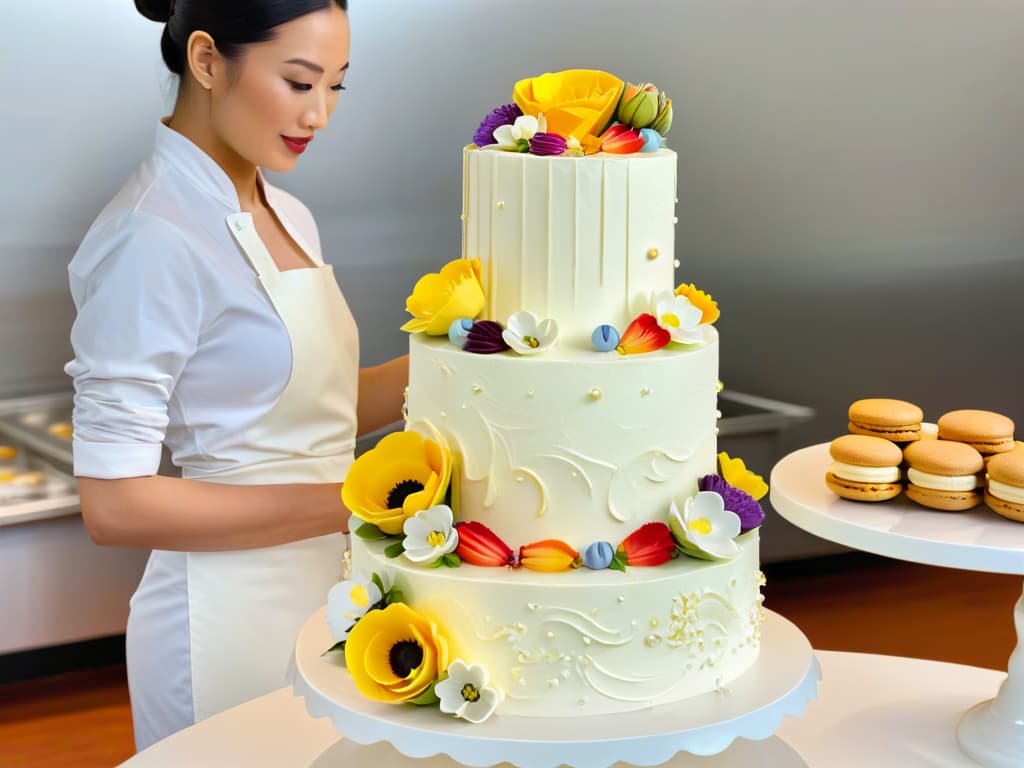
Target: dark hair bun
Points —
{"points": [[154, 10]]}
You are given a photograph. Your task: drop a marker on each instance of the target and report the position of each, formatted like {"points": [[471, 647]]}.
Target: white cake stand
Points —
{"points": [[772, 752], [992, 733], [780, 684]]}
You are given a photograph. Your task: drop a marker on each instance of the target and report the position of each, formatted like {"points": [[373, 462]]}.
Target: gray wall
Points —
{"points": [[851, 172]]}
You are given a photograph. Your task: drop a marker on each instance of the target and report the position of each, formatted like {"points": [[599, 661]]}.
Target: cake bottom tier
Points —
{"points": [[591, 642]]}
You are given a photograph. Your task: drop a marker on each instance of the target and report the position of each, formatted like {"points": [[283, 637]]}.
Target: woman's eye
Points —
{"points": [[299, 86], [338, 87]]}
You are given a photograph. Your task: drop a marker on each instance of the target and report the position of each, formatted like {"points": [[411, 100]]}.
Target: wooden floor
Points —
{"points": [[850, 603]]}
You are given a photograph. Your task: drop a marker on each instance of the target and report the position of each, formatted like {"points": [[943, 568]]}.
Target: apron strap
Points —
{"points": [[244, 231]]}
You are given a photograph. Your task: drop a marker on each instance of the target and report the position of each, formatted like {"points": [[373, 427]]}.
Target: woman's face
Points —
{"points": [[283, 90]]}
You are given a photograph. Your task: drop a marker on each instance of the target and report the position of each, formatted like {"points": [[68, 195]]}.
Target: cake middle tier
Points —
{"points": [[571, 445], [580, 240]]}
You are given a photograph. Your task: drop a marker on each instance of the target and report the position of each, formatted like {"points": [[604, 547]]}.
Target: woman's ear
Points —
{"points": [[202, 58]]}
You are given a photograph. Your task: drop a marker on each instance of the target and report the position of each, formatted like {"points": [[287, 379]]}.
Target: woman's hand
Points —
{"points": [[381, 392]]}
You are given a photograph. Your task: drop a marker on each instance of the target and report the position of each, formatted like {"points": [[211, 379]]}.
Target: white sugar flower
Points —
{"points": [[528, 335], [430, 534], [465, 692], [679, 317], [705, 528], [510, 137], [348, 602]]}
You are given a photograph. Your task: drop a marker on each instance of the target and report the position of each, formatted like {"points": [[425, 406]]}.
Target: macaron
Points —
{"points": [[1004, 491], [944, 475], [895, 420], [985, 431], [864, 468]]}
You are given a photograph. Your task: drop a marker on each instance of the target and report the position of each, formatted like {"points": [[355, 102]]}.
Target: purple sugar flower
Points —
{"points": [[485, 338], [740, 502], [547, 144], [504, 115]]}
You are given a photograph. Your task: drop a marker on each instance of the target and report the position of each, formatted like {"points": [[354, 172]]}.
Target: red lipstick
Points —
{"points": [[297, 144]]}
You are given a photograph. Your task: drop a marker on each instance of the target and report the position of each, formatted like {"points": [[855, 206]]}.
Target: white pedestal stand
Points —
{"points": [[781, 683], [992, 732]]}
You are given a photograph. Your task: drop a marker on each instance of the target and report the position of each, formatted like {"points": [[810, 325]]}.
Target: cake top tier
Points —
{"points": [[568, 220], [578, 112]]}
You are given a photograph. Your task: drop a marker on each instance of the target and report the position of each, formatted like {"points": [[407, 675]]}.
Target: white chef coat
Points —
{"points": [[175, 342]]}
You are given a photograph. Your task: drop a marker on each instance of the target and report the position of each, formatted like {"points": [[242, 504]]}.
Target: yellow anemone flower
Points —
{"points": [[440, 298], [403, 474], [736, 474], [576, 102], [702, 301], [395, 654]]}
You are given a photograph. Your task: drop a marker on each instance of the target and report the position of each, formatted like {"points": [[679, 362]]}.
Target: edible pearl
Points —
{"points": [[652, 641], [595, 394], [652, 254], [501, 204]]}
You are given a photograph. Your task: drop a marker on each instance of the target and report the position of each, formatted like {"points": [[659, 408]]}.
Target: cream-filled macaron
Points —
{"points": [[864, 468], [944, 475], [895, 420], [1004, 490], [985, 431]]}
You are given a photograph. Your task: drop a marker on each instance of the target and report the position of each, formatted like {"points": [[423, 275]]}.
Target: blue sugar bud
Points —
{"points": [[652, 140], [458, 331], [598, 555], [605, 338]]}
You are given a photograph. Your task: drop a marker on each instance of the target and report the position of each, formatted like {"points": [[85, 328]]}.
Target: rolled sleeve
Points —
{"points": [[136, 291]]}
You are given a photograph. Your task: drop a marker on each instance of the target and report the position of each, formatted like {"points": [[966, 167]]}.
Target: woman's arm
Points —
{"points": [[176, 514], [381, 390]]}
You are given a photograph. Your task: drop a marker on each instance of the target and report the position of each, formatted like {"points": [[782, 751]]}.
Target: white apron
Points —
{"points": [[246, 607]]}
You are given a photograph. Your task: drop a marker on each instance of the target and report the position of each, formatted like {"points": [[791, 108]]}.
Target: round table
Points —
{"points": [[871, 710]]}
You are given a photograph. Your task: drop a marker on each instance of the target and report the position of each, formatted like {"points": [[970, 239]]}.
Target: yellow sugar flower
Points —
{"points": [[701, 300], [576, 102], [395, 654], [403, 474], [736, 474], [440, 298]]}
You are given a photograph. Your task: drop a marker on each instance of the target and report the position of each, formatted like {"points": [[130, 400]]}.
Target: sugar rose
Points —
{"points": [[577, 102]]}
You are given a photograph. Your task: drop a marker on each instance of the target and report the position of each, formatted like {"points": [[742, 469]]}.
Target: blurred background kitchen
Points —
{"points": [[851, 190]]}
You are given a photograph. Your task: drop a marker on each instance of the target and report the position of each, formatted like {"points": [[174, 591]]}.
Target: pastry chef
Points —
{"points": [[208, 321]]}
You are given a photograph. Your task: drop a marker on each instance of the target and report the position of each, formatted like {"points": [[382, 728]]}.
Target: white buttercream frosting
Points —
{"points": [[540, 456], [865, 474], [589, 642], [568, 238], [944, 482], [1010, 493]]}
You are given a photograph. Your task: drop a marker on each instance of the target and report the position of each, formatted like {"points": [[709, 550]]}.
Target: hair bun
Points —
{"points": [[155, 10]]}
